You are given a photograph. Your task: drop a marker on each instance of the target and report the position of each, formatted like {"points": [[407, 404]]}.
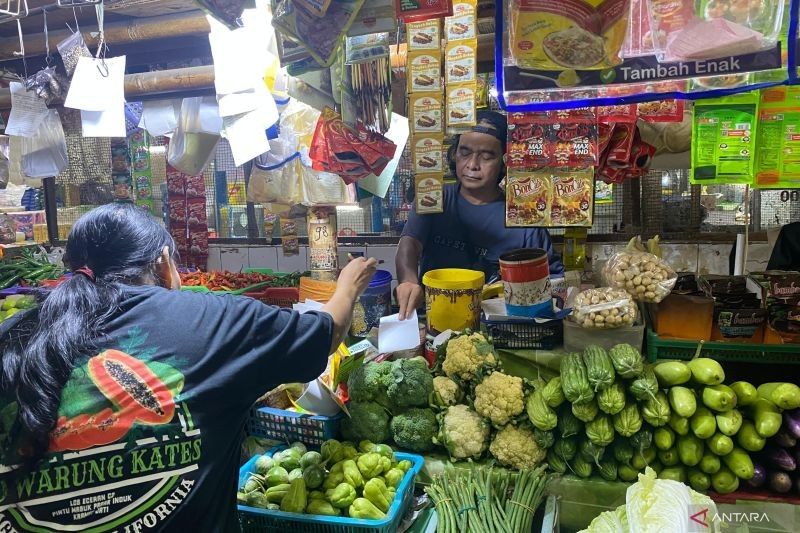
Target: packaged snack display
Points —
{"points": [[553, 139], [424, 71], [778, 141], [321, 36], [462, 25], [425, 111], [460, 106], [460, 61], [426, 35], [429, 193], [573, 198], [528, 199], [582, 34], [723, 139], [604, 308], [427, 152], [643, 275]]}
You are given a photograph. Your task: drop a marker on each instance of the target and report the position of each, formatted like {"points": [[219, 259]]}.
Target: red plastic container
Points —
{"points": [[526, 281]]}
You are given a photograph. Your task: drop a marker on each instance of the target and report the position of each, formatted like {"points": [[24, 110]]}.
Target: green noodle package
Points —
{"points": [[778, 146], [724, 139]]}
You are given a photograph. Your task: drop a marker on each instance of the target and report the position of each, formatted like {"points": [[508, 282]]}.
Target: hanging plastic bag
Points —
{"points": [[321, 188], [275, 178], [194, 143], [45, 154]]}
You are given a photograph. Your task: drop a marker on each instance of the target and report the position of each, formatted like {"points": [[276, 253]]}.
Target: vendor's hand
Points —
{"points": [[409, 297], [355, 277]]}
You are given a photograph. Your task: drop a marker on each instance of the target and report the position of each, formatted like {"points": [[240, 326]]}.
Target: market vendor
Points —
{"points": [[150, 385], [471, 231]]}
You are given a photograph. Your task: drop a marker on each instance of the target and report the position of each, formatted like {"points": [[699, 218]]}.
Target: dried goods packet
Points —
{"points": [[461, 112], [427, 152], [425, 111], [528, 199], [460, 62], [528, 146], [462, 25], [573, 198], [424, 71], [425, 35], [429, 198]]}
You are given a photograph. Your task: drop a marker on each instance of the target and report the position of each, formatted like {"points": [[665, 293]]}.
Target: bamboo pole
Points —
{"points": [[132, 31], [152, 83]]}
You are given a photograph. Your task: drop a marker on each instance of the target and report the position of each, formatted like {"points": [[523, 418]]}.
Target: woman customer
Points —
{"points": [[124, 401]]}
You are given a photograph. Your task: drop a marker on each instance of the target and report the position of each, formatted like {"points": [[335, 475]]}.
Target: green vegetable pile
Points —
{"points": [[340, 479], [485, 501], [31, 268], [617, 416], [15, 303]]}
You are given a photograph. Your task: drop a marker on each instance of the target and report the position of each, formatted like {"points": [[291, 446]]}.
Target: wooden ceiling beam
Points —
{"points": [[131, 31]]}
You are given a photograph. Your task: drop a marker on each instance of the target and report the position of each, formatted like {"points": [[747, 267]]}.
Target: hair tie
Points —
{"points": [[86, 271]]}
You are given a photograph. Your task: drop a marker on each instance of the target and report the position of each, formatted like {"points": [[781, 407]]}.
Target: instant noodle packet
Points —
{"points": [[579, 34]]}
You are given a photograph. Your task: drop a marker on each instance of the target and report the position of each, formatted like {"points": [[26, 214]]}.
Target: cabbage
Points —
{"points": [[609, 522], [655, 505]]}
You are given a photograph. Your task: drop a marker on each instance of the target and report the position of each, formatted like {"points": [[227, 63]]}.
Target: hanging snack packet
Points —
{"points": [[419, 10], [573, 198], [425, 111], [320, 36], [528, 199], [462, 25], [427, 152], [528, 146], [426, 35], [724, 138], [71, 50], [461, 112], [460, 62], [424, 71], [581, 34], [226, 11], [429, 194]]}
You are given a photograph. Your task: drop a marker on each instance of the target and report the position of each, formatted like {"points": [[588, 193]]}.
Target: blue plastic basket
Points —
{"points": [[290, 426], [255, 520]]}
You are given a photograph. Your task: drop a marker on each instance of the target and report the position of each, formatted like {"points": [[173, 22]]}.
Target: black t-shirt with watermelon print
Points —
{"points": [[150, 427]]}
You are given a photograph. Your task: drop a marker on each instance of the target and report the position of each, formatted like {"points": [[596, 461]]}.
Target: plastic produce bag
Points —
{"points": [[604, 308], [644, 276], [275, 177], [45, 154], [322, 188], [194, 143]]}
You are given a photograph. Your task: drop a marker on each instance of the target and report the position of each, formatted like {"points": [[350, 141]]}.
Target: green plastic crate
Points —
{"points": [[658, 348]]}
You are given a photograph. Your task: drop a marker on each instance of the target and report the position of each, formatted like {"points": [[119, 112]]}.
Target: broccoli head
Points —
{"points": [[367, 421], [368, 383], [410, 383], [415, 429]]}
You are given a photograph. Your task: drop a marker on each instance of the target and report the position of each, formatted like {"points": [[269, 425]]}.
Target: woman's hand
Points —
{"points": [[355, 277]]}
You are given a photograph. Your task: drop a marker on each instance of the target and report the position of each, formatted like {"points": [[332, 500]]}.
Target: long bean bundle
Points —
{"points": [[487, 501]]}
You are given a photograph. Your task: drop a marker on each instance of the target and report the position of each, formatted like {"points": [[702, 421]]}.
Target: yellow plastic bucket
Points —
{"points": [[453, 299]]}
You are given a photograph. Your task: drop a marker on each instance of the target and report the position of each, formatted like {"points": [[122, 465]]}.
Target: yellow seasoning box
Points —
{"points": [[461, 106], [429, 195], [427, 151], [425, 35], [460, 62], [425, 112], [424, 71], [463, 24]]}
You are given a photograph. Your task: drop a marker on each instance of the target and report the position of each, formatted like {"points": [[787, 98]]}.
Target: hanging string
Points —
{"points": [[101, 44], [22, 49], [48, 58]]}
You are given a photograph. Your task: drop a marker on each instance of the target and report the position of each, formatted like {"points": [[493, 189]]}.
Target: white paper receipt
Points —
{"points": [[395, 335]]}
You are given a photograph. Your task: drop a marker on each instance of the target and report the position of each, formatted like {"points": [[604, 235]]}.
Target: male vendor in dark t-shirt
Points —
{"points": [[471, 232]]}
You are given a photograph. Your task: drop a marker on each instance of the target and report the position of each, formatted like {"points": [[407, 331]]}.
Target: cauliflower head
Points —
{"points": [[446, 392], [499, 397], [463, 432], [465, 354], [515, 447]]}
